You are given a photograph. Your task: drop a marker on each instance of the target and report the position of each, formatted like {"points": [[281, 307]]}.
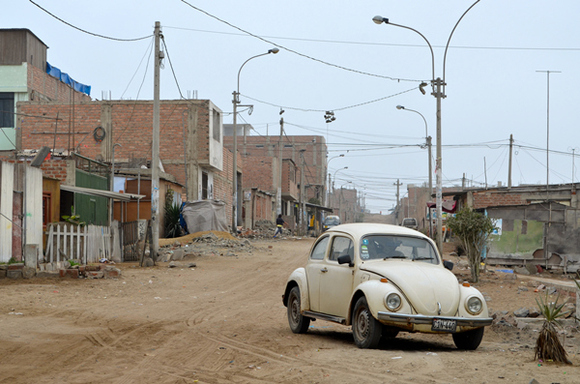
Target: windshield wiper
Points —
{"points": [[395, 257]]}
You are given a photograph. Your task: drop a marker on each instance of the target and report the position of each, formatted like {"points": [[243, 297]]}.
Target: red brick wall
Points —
{"points": [[132, 126], [258, 173], [489, 199], [44, 87], [314, 154], [55, 169]]}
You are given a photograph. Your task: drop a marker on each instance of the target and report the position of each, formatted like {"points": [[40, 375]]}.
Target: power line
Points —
{"points": [[87, 32], [296, 52], [330, 109], [150, 50], [384, 44]]}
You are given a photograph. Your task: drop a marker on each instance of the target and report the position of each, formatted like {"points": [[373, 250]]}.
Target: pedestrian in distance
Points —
{"points": [[279, 224]]}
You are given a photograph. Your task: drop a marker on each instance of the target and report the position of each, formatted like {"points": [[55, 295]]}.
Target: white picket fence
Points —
{"points": [[88, 243]]}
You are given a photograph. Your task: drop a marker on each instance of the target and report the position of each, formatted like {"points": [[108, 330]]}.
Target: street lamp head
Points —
{"points": [[341, 155], [379, 20], [273, 50], [400, 107]]}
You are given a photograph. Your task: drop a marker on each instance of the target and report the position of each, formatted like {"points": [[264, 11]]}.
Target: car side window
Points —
{"points": [[320, 249], [341, 246]]}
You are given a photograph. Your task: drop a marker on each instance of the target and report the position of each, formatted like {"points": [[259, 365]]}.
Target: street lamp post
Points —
{"points": [[235, 102], [328, 189], [428, 141], [438, 87], [334, 179]]}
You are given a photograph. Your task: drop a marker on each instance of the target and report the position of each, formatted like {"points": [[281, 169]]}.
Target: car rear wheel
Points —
{"points": [[366, 330], [469, 340], [297, 322]]}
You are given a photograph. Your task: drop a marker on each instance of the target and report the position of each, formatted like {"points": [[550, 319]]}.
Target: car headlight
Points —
{"points": [[474, 305], [393, 301]]}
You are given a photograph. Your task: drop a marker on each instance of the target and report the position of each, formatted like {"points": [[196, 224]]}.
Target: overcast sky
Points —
{"points": [[333, 57]]}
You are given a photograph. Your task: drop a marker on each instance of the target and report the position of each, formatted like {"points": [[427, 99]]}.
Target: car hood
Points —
{"points": [[424, 285]]}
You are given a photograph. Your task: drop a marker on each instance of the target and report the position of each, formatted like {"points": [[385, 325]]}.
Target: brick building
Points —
{"points": [[24, 76], [260, 155], [191, 143]]}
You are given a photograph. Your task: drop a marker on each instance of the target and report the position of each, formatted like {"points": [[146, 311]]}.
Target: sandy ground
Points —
{"points": [[223, 322]]}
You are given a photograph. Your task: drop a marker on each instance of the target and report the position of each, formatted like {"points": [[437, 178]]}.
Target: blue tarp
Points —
{"points": [[65, 78]]}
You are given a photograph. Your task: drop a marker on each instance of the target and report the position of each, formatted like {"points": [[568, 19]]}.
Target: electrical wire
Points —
{"points": [[296, 52], [383, 44], [171, 66], [87, 32], [150, 49], [329, 109]]}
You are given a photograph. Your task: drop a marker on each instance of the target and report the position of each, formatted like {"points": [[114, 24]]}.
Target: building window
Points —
{"points": [[204, 186], [216, 126], [6, 110]]}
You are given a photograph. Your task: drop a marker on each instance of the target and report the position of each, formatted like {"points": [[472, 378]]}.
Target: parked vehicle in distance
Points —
{"points": [[330, 221], [383, 279], [410, 222]]}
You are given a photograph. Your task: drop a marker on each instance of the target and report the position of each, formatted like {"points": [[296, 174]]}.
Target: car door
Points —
{"points": [[336, 280], [314, 269]]}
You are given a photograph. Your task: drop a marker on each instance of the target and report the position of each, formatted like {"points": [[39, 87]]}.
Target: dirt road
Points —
{"points": [[224, 322]]}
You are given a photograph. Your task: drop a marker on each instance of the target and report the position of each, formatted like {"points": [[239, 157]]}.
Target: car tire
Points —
{"points": [[366, 330], [469, 340], [298, 323]]}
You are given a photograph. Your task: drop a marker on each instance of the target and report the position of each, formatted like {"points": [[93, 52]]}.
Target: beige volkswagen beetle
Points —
{"points": [[382, 279]]}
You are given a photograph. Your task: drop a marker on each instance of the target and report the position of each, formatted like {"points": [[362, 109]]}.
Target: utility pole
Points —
{"points": [[155, 148], [302, 211], [279, 189], [510, 161], [397, 207]]}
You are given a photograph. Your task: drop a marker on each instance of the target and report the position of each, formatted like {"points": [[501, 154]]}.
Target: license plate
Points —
{"points": [[444, 325]]}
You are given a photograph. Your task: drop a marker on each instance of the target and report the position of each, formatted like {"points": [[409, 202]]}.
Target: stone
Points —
{"points": [[521, 270], [191, 265], [551, 290], [534, 312], [111, 272], [172, 264], [95, 274], [17, 266], [28, 272], [14, 273], [522, 312], [148, 262], [524, 289], [177, 254]]}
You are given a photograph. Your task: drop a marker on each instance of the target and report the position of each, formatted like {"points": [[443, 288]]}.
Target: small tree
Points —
{"points": [[473, 229], [548, 346]]}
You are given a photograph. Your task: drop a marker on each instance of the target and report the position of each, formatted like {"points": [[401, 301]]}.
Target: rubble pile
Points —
{"points": [[209, 243]]}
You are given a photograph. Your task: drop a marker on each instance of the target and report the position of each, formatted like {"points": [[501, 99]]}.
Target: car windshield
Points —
{"points": [[331, 221], [386, 247]]}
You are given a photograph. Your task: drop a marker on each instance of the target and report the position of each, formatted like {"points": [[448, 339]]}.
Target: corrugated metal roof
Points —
{"points": [[100, 192]]}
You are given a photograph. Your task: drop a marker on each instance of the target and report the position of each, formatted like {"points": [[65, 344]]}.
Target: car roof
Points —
{"points": [[358, 230]]}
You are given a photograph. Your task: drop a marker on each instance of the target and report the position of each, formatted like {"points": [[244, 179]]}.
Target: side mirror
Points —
{"points": [[448, 264], [345, 259]]}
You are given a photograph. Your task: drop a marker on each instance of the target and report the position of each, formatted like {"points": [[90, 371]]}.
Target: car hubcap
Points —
{"points": [[362, 326], [295, 310]]}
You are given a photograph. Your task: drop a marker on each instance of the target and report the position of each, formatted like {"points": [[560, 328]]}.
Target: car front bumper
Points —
{"points": [[409, 321]]}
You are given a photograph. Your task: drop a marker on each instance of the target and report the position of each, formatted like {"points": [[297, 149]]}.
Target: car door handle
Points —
{"points": [[324, 270]]}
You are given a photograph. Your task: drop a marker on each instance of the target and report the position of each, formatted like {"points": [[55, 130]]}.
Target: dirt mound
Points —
{"points": [[192, 236]]}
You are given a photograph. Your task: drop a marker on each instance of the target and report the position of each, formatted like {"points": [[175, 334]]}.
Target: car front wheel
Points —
{"points": [[297, 322], [366, 330], [469, 340]]}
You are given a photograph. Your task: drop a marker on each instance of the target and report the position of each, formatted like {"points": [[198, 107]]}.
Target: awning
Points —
{"points": [[102, 193], [448, 206]]}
